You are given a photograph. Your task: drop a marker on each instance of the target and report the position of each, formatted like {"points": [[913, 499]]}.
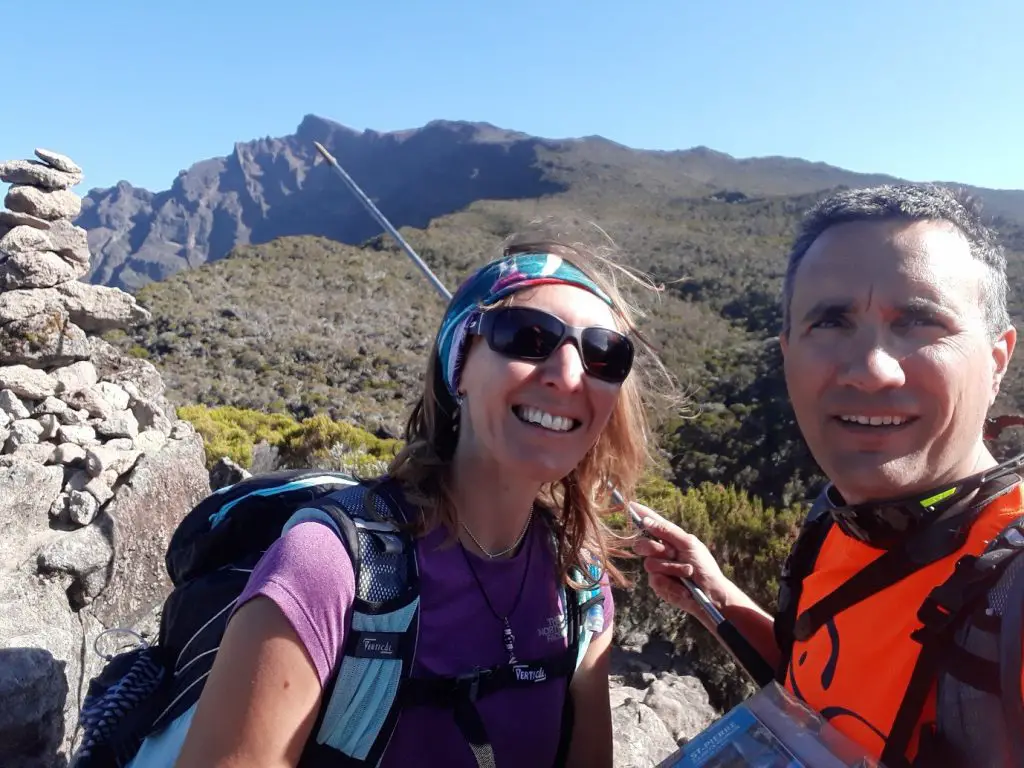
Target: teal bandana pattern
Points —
{"points": [[490, 284]]}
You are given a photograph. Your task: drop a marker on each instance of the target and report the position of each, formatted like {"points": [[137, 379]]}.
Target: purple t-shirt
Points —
{"points": [[308, 574]]}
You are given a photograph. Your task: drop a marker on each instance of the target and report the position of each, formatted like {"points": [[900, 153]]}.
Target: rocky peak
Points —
{"points": [[95, 470]]}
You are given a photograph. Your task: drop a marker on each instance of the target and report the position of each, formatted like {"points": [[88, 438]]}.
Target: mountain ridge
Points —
{"points": [[272, 187]]}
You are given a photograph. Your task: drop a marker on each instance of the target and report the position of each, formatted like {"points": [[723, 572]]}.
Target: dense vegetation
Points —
{"points": [[308, 333]]}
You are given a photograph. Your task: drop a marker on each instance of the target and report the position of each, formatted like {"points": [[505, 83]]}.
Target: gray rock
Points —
{"points": [[50, 425], [161, 489], [26, 382], [89, 399], [48, 338], [77, 553], [38, 453], [69, 454], [13, 219], [75, 377], [101, 458], [38, 269], [33, 688], [120, 444], [26, 239], [150, 440], [23, 432], [82, 507], [100, 487], [58, 161], [27, 490], [114, 365], [21, 303], [682, 705], [34, 613], [50, 405], [60, 204], [73, 417], [152, 414], [12, 405], [81, 434], [70, 241], [226, 472], [59, 508], [76, 479], [265, 458], [118, 424], [5, 420], [98, 308], [37, 174], [640, 738], [115, 395]]}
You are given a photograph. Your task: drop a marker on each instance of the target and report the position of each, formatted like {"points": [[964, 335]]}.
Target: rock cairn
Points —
{"points": [[56, 409], [95, 470]]}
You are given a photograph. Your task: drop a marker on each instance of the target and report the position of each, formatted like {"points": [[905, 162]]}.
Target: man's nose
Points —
{"points": [[871, 368]]}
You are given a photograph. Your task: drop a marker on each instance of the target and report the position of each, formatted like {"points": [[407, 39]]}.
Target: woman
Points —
{"points": [[531, 410]]}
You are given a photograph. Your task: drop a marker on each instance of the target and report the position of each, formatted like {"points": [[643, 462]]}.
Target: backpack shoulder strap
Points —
{"points": [[362, 705], [798, 565], [980, 713], [583, 619], [942, 613], [585, 612], [1011, 647]]}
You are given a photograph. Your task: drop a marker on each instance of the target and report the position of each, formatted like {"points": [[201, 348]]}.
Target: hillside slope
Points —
{"points": [[305, 324]]}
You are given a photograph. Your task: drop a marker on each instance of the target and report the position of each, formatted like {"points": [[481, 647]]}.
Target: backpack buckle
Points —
{"points": [[382, 532], [469, 682]]}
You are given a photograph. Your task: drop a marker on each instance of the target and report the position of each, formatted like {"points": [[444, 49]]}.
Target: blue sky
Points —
{"points": [[139, 91]]}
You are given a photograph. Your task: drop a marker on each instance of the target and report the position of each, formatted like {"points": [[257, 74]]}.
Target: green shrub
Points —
{"points": [[232, 432], [316, 441]]}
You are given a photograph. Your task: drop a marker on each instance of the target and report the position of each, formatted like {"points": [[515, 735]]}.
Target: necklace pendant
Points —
{"points": [[509, 641]]}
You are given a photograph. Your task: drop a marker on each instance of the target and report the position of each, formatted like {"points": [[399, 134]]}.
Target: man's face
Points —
{"points": [[890, 367]]}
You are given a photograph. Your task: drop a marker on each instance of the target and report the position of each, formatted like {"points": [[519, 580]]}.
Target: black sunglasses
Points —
{"points": [[531, 334]]}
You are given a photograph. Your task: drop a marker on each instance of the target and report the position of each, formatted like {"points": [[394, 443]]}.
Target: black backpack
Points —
{"points": [[971, 634], [148, 694]]}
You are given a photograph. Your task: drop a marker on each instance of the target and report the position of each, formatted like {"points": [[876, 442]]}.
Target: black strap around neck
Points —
{"points": [[929, 545]]}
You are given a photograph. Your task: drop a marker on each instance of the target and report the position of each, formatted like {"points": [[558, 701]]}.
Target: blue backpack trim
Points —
{"points": [[137, 711]]}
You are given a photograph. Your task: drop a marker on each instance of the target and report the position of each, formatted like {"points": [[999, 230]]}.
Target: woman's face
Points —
{"points": [[536, 419]]}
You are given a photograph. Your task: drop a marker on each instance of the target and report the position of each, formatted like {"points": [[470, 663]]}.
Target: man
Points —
{"points": [[895, 339]]}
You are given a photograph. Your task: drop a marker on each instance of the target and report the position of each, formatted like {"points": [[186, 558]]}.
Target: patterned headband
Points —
{"points": [[489, 285]]}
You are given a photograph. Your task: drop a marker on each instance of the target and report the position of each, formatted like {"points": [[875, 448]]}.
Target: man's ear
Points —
{"points": [[1002, 353], [783, 339]]}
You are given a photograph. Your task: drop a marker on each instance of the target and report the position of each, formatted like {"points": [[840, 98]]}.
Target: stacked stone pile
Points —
{"points": [[95, 469], [57, 408]]}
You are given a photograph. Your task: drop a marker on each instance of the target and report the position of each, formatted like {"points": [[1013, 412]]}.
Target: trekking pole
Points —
{"points": [[748, 657], [742, 650], [382, 220]]}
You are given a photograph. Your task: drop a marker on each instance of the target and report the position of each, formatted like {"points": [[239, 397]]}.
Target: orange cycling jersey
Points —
{"points": [[855, 670]]}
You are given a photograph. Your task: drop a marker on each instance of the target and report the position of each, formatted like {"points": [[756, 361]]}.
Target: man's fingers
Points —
{"points": [[671, 591], [668, 568], [668, 533], [651, 548]]}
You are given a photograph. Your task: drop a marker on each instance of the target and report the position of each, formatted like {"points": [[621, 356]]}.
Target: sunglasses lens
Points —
{"points": [[530, 334], [607, 354], [525, 333]]}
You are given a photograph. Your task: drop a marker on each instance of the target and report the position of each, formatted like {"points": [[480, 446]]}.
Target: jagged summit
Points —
{"points": [[275, 186]]}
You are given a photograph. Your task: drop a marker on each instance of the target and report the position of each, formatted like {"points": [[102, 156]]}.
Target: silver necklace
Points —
{"points": [[503, 552]]}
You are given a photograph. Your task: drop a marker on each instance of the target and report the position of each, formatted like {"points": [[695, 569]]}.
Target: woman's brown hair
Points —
{"points": [[580, 501]]}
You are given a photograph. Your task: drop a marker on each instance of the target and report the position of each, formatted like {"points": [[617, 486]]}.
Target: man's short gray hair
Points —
{"points": [[909, 202]]}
